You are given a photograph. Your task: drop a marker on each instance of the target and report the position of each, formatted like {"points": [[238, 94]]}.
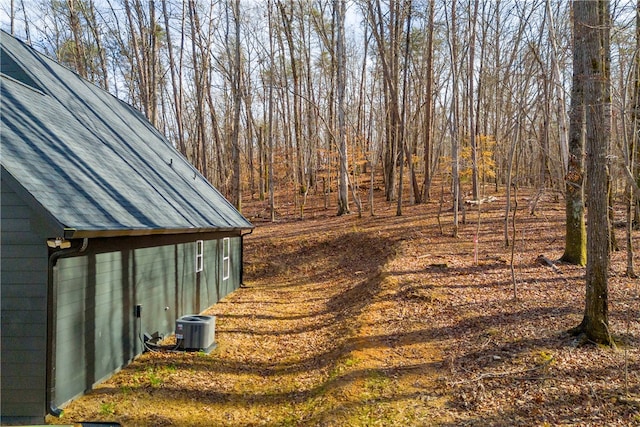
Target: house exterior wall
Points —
{"points": [[96, 331], [97, 293], [57, 136], [23, 299]]}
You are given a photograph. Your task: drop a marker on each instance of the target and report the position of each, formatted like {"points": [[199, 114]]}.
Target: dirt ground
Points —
{"points": [[388, 320]]}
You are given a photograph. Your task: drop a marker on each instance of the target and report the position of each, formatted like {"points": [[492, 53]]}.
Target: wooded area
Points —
{"points": [[293, 97], [446, 106], [317, 96]]}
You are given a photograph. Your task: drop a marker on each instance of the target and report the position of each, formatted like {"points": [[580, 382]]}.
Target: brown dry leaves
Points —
{"points": [[383, 321]]}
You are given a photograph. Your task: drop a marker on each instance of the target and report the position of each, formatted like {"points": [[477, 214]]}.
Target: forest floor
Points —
{"points": [[389, 320]]}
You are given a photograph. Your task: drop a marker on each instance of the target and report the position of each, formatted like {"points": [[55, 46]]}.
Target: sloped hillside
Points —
{"points": [[388, 320]]}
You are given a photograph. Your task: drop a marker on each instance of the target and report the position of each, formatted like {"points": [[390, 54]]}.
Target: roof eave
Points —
{"points": [[72, 233]]}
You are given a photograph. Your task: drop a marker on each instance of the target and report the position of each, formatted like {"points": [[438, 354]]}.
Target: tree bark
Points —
{"points": [[270, 144], [635, 165], [177, 100], [89, 13], [388, 43], [631, 152], [455, 133], [559, 90], [594, 17], [471, 93], [287, 21], [343, 194], [78, 52], [426, 190], [575, 251], [403, 112], [199, 154], [236, 89]]}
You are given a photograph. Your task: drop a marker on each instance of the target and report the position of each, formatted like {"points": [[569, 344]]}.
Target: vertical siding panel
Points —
{"points": [[70, 276], [211, 273], [236, 243], [97, 329], [24, 316]]}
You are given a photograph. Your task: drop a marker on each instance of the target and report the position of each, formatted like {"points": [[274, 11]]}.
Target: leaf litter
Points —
{"points": [[385, 321]]}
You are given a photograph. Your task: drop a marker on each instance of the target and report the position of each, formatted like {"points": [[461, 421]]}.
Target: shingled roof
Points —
{"points": [[92, 162]]}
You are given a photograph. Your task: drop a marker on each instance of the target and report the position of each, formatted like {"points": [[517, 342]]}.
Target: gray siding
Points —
{"points": [[24, 317], [97, 332], [96, 327], [232, 283]]}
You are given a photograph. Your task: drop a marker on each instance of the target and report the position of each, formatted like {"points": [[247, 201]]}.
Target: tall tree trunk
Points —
{"points": [[472, 125], [343, 193], [594, 17], [387, 42], [236, 90], [559, 91], [510, 183], [199, 154], [429, 105], [89, 13], [26, 24], [632, 154], [177, 101], [136, 61], [143, 56], [403, 112], [575, 251], [272, 206], [311, 118], [152, 65], [287, 20], [251, 131], [455, 133], [12, 17], [635, 166], [78, 51]]}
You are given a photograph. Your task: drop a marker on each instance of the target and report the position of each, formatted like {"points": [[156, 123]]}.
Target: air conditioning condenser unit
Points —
{"points": [[196, 332]]}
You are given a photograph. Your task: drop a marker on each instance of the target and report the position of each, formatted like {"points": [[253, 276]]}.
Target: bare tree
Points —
{"points": [[473, 13], [12, 17], [386, 29], [199, 155], [575, 251], [631, 152], [558, 88], [454, 117], [176, 79], [88, 10], [236, 91], [403, 109], [592, 19], [287, 16], [428, 114], [143, 55], [76, 31], [635, 164], [270, 121], [343, 194]]}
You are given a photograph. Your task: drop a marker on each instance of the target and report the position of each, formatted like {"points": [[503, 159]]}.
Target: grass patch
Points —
{"points": [[107, 408], [376, 383]]}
